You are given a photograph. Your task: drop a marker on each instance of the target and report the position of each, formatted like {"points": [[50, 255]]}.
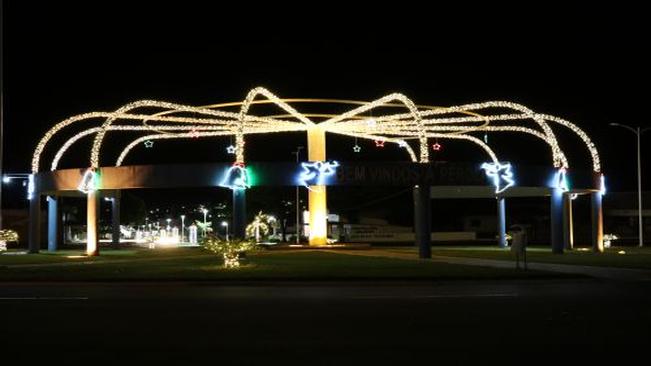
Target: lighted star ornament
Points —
{"points": [[315, 173], [149, 144], [357, 148], [231, 149], [501, 175]]}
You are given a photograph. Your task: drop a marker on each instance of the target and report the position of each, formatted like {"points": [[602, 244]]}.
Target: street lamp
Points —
{"points": [[638, 133], [225, 224], [182, 227], [298, 235], [205, 212]]}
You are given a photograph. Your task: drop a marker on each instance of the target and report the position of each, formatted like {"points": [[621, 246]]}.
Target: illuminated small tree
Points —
{"points": [[5, 236], [228, 250], [205, 228], [260, 226]]}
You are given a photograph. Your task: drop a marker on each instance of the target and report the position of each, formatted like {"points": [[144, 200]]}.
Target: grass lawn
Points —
{"points": [[634, 257], [106, 254], [264, 265]]}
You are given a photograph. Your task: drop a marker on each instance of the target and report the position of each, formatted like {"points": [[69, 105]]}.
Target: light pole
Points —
{"points": [[225, 224], [205, 212], [182, 227], [638, 133], [298, 231]]}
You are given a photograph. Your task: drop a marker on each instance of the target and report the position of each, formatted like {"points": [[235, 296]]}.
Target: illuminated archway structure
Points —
{"points": [[393, 119]]}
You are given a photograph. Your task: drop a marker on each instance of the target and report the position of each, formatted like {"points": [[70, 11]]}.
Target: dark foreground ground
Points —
{"points": [[450, 322]]}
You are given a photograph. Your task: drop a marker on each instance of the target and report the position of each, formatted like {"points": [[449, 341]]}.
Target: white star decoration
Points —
{"points": [[357, 148], [231, 149], [149, 144]]}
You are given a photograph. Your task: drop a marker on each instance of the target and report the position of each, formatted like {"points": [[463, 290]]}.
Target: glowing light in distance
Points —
{"points": [[501, 175], [6, 179]]}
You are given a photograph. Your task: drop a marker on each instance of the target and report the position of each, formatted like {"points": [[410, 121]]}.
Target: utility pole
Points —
{"points": [[298, 230], [638, 133], [2, 89]]}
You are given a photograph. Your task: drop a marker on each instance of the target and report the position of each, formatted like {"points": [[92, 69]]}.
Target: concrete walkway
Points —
{"points": [[611, 273]]}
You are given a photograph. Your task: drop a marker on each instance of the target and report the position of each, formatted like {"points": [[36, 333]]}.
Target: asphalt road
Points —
{"points": [[505, 322]]}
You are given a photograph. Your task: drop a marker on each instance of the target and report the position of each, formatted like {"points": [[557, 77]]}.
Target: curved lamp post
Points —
{"points": [[638, 133]]}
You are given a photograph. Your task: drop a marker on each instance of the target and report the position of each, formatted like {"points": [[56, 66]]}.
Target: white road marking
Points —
{"points": [[43, 298], [434, 296]]}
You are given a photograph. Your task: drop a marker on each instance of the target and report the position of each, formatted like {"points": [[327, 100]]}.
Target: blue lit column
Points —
{"points": [[501, 222], [568, 224], [35, 223], [556, 220], [239, 213], [422, 220], [52, 223], [115, 220]]}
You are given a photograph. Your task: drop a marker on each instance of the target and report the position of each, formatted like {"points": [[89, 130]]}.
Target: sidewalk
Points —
{"points": [[611, 273]]}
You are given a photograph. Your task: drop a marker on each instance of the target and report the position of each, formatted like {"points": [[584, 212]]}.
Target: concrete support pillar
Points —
{"points": [[501, 222], [597, 223], [422, 221], [52, 223], [317, 198], [239, 214], [92, 210], [556, 220], [568, 224], [115, 220], [35, 223]]}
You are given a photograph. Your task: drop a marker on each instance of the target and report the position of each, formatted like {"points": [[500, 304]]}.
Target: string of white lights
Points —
{"points": [[421, 124]]}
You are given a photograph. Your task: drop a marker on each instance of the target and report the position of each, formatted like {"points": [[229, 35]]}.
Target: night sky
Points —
{"points": [[588, 65]]}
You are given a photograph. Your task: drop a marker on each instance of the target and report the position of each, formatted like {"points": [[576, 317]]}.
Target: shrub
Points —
{"points": [[228, 250]]}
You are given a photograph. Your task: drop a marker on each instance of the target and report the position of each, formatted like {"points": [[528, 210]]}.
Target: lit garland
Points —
{"points": [[419, 123]]}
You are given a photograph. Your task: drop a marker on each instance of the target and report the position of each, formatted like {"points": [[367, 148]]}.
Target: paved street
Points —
{"points": [[324, 323]]}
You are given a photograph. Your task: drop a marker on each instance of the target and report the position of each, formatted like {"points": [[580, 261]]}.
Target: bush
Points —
{"points": [[228, 250]]}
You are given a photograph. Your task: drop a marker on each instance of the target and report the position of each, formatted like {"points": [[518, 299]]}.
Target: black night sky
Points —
{"points": [[588, 65]]}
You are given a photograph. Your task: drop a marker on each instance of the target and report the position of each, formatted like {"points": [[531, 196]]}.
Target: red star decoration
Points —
{"points": [[379, 143], [436, 146], [194, 134]]}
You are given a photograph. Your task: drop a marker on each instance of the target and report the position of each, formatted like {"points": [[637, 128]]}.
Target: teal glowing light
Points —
{"points": [[236, 177]]}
